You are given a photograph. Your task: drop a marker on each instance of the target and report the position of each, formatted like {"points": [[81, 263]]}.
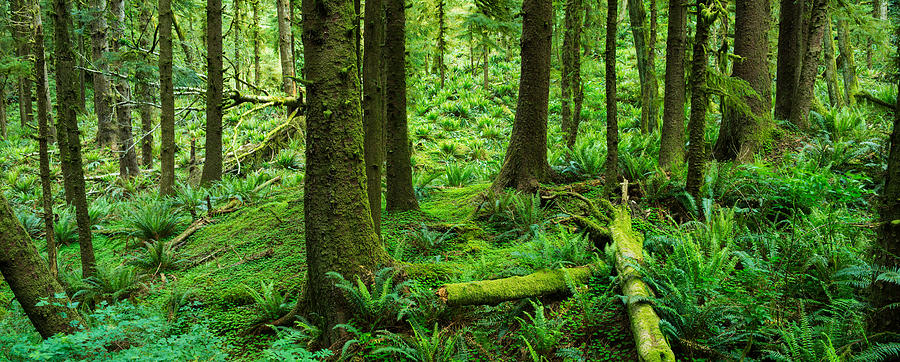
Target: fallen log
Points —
{"points": [[648, 338], [875, 100], [276, 140], [182, 238], [235, 98], [544, 282]]}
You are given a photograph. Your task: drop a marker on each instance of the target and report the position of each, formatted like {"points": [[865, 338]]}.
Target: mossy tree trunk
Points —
{"points": [[834, 91], [20, 13], [27, 275], [525, 164], [3, 116], [70, 147], [739, 135], [45, 135], [339, 233], [128, 165], [570, 80], [803, 97], [400, 195], [373, 105], [236, 28], [848, 63], [612, 122], [790, 58], [145, 93], [106, 130], [212, 164], [254, 28], [699, 103], [285, 47], [671, 150], [441, 40], [166, 100], [640, 30]]}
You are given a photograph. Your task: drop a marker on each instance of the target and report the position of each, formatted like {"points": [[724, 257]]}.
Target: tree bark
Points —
{"points": [[640, 31], [103, 100], [20, 13], [145, 95], [285, 48], [541, 283], [255, 33], [373, 105], [128, 165], [834, 91], [804, 95], [69, 135], [166, 100], [570, 82], [400, 195], [27, 275], [3, 116], [790, 56], [739, 135], [44, 135], [699, 103], [236, 28], [671, 150], [339, 232], [212, 165], [441, 40], [848, 65], [612, 109], [525, 165]]}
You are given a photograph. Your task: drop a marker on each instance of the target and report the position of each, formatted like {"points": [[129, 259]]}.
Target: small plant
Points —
{"points": [[288, 160], [190, 199], [427, 240], [539, 332], [152, 219], [514, 212], [33, 224], [157, 256], [377, 303], [65, 230], [108, 284], [457, 175], [271, 303], [293, 345], [423, 346]]}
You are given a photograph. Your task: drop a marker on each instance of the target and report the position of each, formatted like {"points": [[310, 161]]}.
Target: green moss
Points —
{"points": [[543, 282]]}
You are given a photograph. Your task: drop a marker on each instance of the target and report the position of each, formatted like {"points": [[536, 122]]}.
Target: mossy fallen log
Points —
{"points": [[276, 140], [544, 282], [648, 338]]}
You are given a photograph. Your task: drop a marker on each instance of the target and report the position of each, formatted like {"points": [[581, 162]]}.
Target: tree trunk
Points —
{"points": [[834, 91], [255, 29], [485, 70], [236, 28], [128, 165], [145, 96], [739, 135], [166, 100], [496, 291], [612, 109], [671, 150], [525, 164], [182, 40], [27, 275], [400, 195], [3, 117], [21, 16], [106, 129], [441, 40], [699, 103], [285, 48], [640, 30], [212, 165], [848, 65], [790, 56], [571, 69], [44, 135], [577, 86], [69, 135], [805, 92], [339, 233], [373, 105]]}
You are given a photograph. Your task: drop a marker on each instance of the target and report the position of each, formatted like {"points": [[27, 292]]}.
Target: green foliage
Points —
{"points": [[377, 303], [270, 303], [151, 219], [424, 345], [109, 284], [540, 333], [427, 240], [292, 345], [65, 230], [516, 213], [457, 175], [157, 256], [190, 199]]}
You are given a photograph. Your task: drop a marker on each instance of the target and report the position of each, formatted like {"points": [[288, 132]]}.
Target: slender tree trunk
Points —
{"points": [[834, 91], [106, 129], [128, 165], [236, 28], [848, 65], [285, 48], [654, 16], [166, 100], [27, 275], [3, 117], [442, 40], [400, 195], [671, 150], [21, 17], [612, 109], [790, 56], [67, 106], [577, 86], [373, 105], [570, 84], [739, 135], [804, 95], [339, 233], [182, 40], [640, 30], [699, 103], [212, 165], [44, 135], [485, 70], [145, 95], [255, 29], [525, 165]]}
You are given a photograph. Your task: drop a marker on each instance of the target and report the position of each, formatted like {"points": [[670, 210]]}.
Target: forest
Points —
{"points": [[449, 180]]}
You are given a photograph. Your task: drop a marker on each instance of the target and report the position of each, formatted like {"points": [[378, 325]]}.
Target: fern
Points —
{"points": [[377, 303]]}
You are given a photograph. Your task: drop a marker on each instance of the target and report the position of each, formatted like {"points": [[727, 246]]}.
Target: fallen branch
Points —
{"points": [[277, 139], [875, 100], [235, 98], [182, 238], [266, 184], [114, 174], [648, 338], [544, 282]]}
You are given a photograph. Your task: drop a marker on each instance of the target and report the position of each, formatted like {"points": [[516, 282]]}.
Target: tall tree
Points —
{"points": [[671, 149], [848, 63], [739, 135], [166, 100], [212, 166], [106, 129], [285, 46], [236, 28], [339, 233], [612, 122], [373, 105], [441, 40], [69, 135], [45, 135], [790, 58], [637, 14], [699, 100], [834, 92], [27, 275], [128, 165], [144, 76], [254, 28], [21, 20], [525, 165], [3, 117], [400, 195], [570, 79], [803, 97]]}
